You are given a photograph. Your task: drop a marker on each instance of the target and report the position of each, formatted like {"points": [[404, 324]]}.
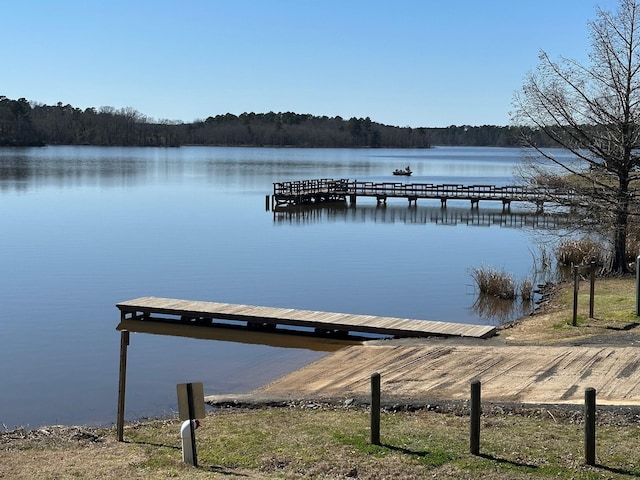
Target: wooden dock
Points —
{"points": [[304, 192], [291, 321]]}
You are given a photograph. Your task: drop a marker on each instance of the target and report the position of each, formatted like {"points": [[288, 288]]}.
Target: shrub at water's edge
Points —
{"points": [[580, 251], [496, 283]]}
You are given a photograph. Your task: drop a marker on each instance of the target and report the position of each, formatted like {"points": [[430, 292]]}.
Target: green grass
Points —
{"points": [[331, 443], [614, 300]]}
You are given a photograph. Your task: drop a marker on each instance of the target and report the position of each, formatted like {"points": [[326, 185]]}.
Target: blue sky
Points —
{"points": [[428, 63]]}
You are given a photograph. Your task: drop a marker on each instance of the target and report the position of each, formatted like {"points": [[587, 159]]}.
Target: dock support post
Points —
{"points": [[474, 430], [375, 409], [124, 343]]}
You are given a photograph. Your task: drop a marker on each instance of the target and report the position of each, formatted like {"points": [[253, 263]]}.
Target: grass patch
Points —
{"points": [[360, 441], [331, 442], [614, 311], [614, 300]]}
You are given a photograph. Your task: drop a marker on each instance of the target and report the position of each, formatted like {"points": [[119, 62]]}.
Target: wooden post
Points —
{"points": [[592, 288], [375, 409], [590, 426], [474, 440], [267, 203], [124, 343], [192, 428], [576, 285], [638, 286]]}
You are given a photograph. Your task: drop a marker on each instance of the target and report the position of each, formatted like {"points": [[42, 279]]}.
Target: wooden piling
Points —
{"points": [[375, 409], [124, 343], [474, 437], [592, 288], [590, 426], [576, 286]]}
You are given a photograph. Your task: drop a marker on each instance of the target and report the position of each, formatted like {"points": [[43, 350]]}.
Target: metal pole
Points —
{"points": [[124, 343], [375, 409]]}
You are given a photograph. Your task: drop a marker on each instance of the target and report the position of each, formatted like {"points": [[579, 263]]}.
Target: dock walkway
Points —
{"points": [[329, 190], [249, 317]]}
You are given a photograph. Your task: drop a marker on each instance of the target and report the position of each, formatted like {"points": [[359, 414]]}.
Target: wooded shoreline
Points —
{"points": [[27, 123]]}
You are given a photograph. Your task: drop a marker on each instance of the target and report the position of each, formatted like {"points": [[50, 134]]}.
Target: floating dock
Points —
{"points": [[291, 321]]}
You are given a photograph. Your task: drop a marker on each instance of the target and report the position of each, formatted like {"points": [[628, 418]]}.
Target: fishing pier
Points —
{"points": [[310, 192]]}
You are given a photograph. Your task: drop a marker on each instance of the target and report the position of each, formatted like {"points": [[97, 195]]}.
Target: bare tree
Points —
{"points": [[593, 111]]}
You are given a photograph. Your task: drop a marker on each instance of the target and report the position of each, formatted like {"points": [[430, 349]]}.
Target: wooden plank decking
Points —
{"points": [[269, 318]]}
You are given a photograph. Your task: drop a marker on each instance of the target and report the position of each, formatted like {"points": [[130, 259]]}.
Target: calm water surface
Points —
{"points": [[83, 228]]}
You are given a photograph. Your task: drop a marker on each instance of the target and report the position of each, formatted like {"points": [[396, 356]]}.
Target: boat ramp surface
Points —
{"points": [[286, 320], [443, 371]]}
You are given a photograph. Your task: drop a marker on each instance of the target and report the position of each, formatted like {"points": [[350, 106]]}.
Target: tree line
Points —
{"points": [[25, 123]]}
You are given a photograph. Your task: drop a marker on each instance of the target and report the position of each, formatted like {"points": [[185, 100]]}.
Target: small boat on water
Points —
{"points": [[405, 171]]}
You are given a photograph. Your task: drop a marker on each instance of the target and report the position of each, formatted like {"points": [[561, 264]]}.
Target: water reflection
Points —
{"points": [[25, 168], [497, 311], [22, 170], [450, 216]]}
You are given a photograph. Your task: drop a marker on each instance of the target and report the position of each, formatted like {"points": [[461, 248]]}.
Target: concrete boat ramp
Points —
{"points": [[517, 374]]}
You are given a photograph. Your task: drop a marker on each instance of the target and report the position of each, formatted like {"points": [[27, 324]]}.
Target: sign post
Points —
{"points": [[190, 407]]}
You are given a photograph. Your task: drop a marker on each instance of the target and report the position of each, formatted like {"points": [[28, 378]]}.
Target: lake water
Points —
{"points": [[83, 228]]}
